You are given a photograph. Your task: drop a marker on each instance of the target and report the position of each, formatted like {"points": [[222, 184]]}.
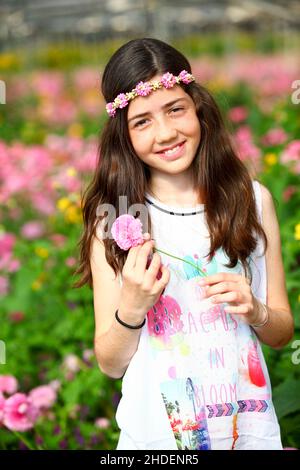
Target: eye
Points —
{"points": [[139, 123], [177, 109]]}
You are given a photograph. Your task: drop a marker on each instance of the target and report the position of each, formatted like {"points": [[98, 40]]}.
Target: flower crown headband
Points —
{"points": [[168, 80]]}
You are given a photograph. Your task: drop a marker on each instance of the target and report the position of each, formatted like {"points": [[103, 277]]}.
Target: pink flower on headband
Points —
{"points": [[127, 231], [168, 80], [121, 100], [143, 88], [110, 109], [185, 77]]}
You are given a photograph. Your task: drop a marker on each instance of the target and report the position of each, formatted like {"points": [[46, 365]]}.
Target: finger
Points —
{"points": [[146, 236], [221, 287], [220, 277], [236, 309], [132, 256], [141, 259], [164, 280], [228, 297], [153, 268]]}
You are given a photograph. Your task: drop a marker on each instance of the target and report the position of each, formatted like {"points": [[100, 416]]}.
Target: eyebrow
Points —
{"points": [[163, 107]]}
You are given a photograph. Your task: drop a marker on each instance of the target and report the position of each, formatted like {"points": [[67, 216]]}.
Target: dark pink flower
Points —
{"points": [[19, 413], [7, 241], [168, 80], [143, 88], [238, 114]]}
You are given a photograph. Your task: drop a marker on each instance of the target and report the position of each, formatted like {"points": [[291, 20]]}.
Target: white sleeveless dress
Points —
{"points": [[198, 379]]}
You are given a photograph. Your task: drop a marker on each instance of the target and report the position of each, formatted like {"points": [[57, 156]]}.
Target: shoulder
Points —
{"points": [[266, 195], [276, 284], [267, 203]]}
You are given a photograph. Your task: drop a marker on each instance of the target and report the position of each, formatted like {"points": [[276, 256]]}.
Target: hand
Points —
{"points": [[142, 286], [234, 289]]}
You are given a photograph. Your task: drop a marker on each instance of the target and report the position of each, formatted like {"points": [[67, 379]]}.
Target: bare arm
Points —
{"points": [[279, 329], [114, 343]]}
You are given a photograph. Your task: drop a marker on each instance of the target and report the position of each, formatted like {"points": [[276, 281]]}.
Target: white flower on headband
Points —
{"points": [[168, 80]]}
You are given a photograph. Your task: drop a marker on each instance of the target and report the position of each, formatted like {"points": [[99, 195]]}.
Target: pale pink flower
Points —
{"points": [[127, 231], [72, 363], [102, 423], [19, 413], [13, 265], [50, 83], [43, 203], [88, 354], [5, 260], [70, 262], [291, 154], [43, 396], [58, 239], [238, 114], [274, 137], [8, 384], [33, 229], [4, 285], [55, 384], [245, 146], [86, 78]]}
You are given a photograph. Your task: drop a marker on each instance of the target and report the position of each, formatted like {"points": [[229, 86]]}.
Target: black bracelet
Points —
{"points": [[129, 326]]}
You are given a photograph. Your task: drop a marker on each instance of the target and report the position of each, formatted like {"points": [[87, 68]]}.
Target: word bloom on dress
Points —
{"points": [[168, 80]]}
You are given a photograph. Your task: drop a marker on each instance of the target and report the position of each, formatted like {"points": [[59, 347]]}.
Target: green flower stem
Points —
{"points": [[185, 261], [24, 440]]}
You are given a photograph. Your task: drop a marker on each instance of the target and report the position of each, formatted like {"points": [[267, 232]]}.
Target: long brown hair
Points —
{"points": [[223, 180]]}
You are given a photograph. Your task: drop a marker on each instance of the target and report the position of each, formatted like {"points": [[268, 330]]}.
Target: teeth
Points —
{"points": [[170, 152]]}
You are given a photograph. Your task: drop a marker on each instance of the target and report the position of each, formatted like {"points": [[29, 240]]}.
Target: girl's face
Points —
{"points": [[167, 135]]}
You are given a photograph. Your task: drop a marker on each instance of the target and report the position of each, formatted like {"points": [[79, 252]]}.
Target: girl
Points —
{"points": [[182, 328]]}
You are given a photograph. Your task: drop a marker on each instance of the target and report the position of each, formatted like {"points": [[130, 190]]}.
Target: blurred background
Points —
{"points": [[52, 55]]}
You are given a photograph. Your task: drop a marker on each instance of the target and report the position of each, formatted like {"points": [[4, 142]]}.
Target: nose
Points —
{"points": [[165, 132]]}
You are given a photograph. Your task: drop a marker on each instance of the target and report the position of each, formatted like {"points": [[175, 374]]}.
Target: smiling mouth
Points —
{"points": [[172, 151]]}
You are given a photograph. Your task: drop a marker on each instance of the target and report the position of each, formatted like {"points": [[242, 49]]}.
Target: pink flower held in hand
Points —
{"points": [[19, 413], [8, 384], [43, 396], [127, 231]]}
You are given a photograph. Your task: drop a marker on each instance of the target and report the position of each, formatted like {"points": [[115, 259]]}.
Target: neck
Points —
{"points": [[174, 189]]}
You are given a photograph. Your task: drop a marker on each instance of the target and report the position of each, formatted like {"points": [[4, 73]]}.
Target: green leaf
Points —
{"points": [[286, 397]]}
